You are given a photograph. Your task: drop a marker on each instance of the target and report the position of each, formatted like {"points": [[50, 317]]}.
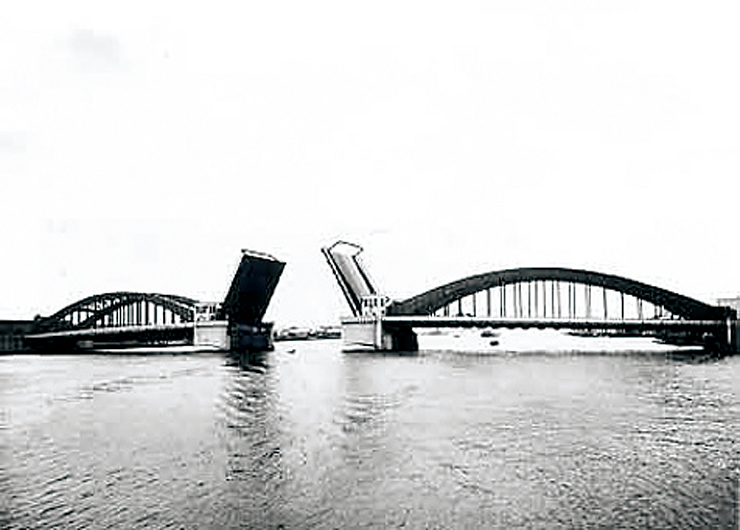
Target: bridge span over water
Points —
{"points": [[527, 298], [129, 319]]}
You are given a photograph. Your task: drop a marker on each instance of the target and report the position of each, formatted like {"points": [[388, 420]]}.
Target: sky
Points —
{"points": [[144, 144]]}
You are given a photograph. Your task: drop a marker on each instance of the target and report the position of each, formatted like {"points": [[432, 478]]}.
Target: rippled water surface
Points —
{"points": [[309, 437]]}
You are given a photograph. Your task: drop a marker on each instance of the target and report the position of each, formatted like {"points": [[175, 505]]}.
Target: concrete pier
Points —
{"points": [[212, 334], [371, 334]]}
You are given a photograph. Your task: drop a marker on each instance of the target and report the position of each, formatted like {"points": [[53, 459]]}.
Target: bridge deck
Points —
{"points": [[119, 330], [423, 321]]}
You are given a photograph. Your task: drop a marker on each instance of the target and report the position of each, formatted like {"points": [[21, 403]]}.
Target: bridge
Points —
{"points": [[116, 319], [129, 319], [529, 298]]}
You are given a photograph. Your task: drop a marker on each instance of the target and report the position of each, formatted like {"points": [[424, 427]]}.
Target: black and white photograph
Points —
{"points": [[328, 265]]}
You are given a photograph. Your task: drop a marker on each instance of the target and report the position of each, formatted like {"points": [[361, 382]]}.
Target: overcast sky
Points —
{"points": [[143, 144]]}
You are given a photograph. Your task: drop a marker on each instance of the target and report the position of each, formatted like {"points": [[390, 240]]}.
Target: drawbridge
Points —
{"points": [[126, 319], [577, 300]]}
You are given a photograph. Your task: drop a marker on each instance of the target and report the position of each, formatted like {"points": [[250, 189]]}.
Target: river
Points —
{"points": [[309, 437]]}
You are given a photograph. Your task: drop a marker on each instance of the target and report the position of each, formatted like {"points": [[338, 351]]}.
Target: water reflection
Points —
{"points": [[250, 433], [366, 417], [249, 361]]}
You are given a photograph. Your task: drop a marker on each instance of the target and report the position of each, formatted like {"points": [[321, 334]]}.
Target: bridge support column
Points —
{"points": [[403, 339], [212, 334], [370, 334]]}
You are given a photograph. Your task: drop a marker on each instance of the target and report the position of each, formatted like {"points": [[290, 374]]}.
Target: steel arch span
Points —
{"points": [[679, 305], [120, 309]]}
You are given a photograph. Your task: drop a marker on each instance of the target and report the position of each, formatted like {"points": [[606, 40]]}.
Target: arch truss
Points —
{"points": [[120, 309], [557, 293]]}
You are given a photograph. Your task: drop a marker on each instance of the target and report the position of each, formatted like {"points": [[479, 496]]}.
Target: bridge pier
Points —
{"points": [[733, 335], [727, 339], [403, 339], [370, 333], [212, 334]]}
